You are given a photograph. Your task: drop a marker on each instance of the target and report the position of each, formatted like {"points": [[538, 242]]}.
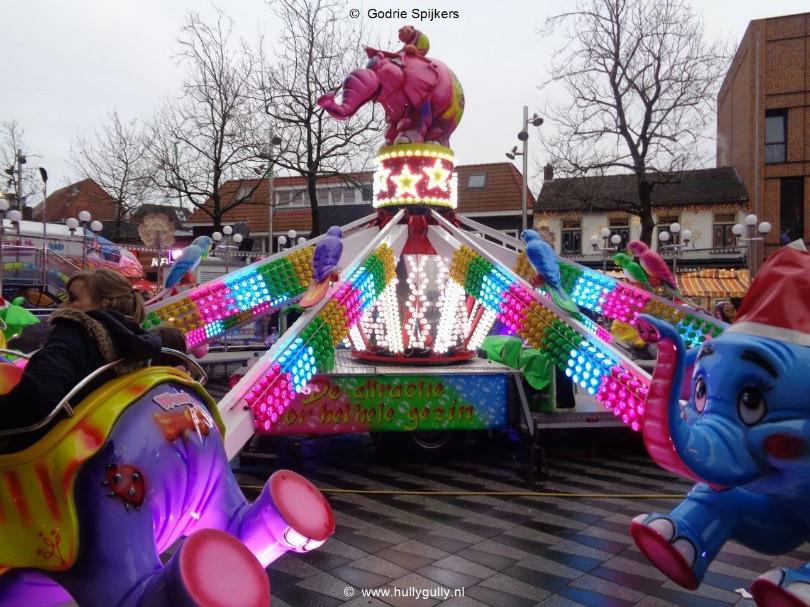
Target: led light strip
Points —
{"points": [[620, 301], [313, 350], [583, 358]]}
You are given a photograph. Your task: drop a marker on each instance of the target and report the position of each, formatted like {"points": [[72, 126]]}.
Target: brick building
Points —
{"points": [[487, 193], [69, 201], [763, 124]]}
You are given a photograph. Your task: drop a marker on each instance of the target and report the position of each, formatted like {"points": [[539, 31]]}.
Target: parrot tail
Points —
{"points": [[158, 297], [315, 293], [564, 301]]}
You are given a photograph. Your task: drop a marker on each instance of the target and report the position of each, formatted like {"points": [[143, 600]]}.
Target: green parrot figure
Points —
{"points": [[632, 270]]}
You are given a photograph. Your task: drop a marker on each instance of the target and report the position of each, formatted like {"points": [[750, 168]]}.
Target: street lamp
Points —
{"points": [[301, 240], [4, 204], [747, 234], [282, 240], [523, 136], [615, 240], [16, 168], [44, 176], [84, 218], [681, 239], [274, 141]]}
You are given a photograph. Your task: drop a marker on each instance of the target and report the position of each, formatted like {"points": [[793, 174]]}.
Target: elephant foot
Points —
{"points": [[781, 588], [290, 515], [675, 558], [211, 569]]}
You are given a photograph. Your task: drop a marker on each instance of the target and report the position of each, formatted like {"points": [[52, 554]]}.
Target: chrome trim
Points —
{"points": [[189, 362]]}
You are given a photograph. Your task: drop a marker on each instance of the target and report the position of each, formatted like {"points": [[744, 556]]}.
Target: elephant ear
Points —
{"points": [[421, 77]]}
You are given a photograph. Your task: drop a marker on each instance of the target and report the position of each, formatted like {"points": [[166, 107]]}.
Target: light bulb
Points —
{"points": [[227, 230], [4, 205], [764, 227], [85, 216], [686, 235], [605, 232], [291, 234], [96, 226], [14, 215], [72, 223], [216, 236], [663, 236], [751, 219], [737, 229], [615, 239], [675, 227], [237, 238]]}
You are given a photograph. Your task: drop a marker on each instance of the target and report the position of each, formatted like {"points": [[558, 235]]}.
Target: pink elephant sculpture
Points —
{"points": [[422, 98]]}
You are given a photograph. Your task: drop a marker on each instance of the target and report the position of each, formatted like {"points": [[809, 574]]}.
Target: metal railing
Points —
{"points": [[64, 404]]}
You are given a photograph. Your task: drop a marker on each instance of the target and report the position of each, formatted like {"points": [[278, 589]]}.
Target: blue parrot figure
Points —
{"points": [[544, 261], [187, 262], [325, 260]]}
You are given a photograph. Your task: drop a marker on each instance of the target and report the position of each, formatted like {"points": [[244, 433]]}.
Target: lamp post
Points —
{"points": [[85, 218], [747, 234], [4, 204], [681, 239], [523, 136], [44, 175], [274, 141], [607, 238], [15, 216], [16, 168]]}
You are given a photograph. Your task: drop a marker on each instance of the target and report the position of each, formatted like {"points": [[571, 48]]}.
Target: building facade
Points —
{"points": [[488, 193], [763, 124], [572, 212]]}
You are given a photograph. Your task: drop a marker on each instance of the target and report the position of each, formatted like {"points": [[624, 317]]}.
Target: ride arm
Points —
{"points": [[48, 376]]}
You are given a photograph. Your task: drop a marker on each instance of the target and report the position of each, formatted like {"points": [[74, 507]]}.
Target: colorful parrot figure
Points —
{"points": [[653, 264], [188, 261], [634, 272], [544, 261], [324, 263]]}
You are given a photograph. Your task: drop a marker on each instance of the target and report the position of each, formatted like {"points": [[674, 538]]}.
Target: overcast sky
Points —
{"points": [[69, 63]]}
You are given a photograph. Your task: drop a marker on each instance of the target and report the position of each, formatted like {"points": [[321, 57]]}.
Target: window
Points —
{"points": [[791, 209], [243, 193], [775, 136], [620, 226], [367, 193], [571, 236], [664, 221], [722, 236], [299, 198], [477, 181]]}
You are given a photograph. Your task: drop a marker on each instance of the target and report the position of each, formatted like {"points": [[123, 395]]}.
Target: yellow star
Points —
{"points": [[381, 180], [406, 183], [437, 175]]}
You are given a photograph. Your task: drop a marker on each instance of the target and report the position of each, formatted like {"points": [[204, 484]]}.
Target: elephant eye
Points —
{"points": [[700, 395], [751, 406]]}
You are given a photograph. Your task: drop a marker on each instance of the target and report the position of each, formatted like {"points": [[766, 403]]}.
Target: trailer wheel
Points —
{"points": [[412, 442]]}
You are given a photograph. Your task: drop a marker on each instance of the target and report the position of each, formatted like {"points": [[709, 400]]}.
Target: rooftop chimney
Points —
{"points": [[548, 172]]}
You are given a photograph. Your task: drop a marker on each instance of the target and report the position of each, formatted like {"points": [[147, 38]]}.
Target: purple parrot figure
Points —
{"points": [[187, 262], [325, 260], [544, 261], [653, 264]]}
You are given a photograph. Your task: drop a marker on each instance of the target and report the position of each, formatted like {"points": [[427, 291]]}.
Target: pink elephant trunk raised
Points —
{"points": [[359, 87], [661, 398]]}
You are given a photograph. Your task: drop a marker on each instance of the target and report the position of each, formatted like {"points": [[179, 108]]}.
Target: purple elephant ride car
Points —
{"points": [[87, 510], [422, 98], [741, 428]]}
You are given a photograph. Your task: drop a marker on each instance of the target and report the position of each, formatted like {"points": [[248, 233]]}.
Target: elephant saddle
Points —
{"points": [[38, 517]]}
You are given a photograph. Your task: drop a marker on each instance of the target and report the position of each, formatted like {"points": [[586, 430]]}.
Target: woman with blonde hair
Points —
{"points": [[98, 324]]}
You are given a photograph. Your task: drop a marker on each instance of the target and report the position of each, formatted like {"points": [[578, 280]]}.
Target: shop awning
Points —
{"points": [[713, 282]]}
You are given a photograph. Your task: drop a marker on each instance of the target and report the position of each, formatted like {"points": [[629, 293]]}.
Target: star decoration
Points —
{"points": [[381, 179], [437, 175], [406, 183]]}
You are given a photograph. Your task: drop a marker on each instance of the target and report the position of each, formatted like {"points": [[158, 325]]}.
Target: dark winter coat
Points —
{"points": [[79, 344]]}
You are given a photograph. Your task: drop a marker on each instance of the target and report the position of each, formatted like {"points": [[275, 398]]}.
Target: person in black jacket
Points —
{"points": [[100, 323]]}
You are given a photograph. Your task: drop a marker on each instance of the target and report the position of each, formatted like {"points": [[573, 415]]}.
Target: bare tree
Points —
{"points": [[641, 85], [213, 132], [318, 47], [20, 182], [116, 158]]}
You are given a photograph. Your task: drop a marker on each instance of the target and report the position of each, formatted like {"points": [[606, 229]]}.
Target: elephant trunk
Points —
{"points": [[359, 87], [662, 406]]}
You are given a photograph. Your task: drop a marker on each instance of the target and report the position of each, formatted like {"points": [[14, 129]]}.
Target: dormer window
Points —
{"points": [[477, 181]]}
